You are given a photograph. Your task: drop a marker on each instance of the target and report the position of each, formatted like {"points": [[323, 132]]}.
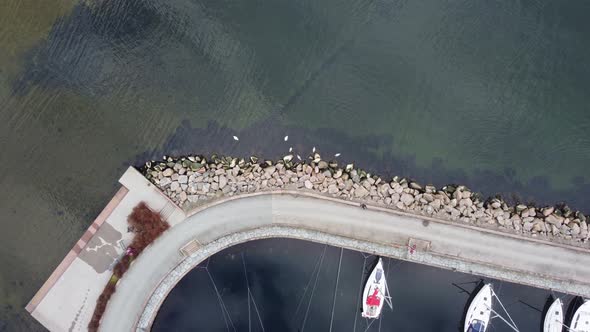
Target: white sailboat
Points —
{"points": [[554, 317], [376, 293], [479, 312], [581, 319]]}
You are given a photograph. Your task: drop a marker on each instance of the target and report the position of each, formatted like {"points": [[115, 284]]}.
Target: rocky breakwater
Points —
{"points": [[191, 180]]}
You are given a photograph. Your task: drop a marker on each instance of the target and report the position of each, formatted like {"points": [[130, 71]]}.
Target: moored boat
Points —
{"points": [[553, 321], [479, 312], [581, 319], [375, 293]]}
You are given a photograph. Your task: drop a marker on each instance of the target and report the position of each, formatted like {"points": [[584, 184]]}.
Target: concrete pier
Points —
{"points": [[227, 221]]}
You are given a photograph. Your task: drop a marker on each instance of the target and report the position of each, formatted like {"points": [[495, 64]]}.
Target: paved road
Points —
{"points": [[494, 255]]}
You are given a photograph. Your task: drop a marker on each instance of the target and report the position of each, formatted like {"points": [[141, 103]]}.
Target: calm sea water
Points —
{"points": [[290, 285], [489, 94]]}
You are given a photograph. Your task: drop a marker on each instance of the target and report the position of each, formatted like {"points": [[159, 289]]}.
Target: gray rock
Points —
{"points": [[554, 230], [222, 181], [407, 199], [575, 229], [540, 226], [564, 229], [528, 219], [528, 226], [496, 204], [532, 212], [332, 189], [164, 182], [206, 187], [168, 172], [235, 171], [548, 210], [348, 184], [270, 169], [174, 186], [436, 204], [182, 179], [465, 202], [554, 220], [360, 192], [428, 197], [308, 184], [415, 185], [322, 164]]}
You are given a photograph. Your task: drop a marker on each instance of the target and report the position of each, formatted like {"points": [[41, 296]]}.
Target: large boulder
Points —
{"points": [[554, 220], [407, 199], [168, 172], [360, 192]]}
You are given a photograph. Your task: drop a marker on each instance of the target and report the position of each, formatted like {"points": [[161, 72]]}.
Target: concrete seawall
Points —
{"points": [[316, 218], [67, 299]]}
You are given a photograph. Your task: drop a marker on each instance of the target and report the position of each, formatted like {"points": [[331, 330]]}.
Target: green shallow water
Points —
{"points": [[493, 95]]}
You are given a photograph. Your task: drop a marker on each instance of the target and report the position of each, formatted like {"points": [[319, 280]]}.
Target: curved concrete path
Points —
{"points": [[316, 218]]}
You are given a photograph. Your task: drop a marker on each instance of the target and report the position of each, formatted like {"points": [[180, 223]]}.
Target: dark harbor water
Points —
{"points": [[489, 94], [290, 285]]}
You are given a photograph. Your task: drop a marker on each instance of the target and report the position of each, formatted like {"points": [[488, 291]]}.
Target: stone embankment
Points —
{"points": [[192, 180]]}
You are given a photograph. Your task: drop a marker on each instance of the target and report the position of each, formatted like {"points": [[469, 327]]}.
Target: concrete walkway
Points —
{"points": [[313, 217], [67, 299]]}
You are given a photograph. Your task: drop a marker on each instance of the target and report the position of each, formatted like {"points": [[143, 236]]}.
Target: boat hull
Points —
{"points": [[581, 319], [374, 292], [554, 317], [479, 312]]}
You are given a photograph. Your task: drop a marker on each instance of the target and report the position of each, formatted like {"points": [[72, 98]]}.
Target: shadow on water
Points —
{"points": [[264, 139]]}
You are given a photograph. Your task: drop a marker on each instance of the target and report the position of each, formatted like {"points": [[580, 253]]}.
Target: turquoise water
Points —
{"points": [[492, 95]]}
